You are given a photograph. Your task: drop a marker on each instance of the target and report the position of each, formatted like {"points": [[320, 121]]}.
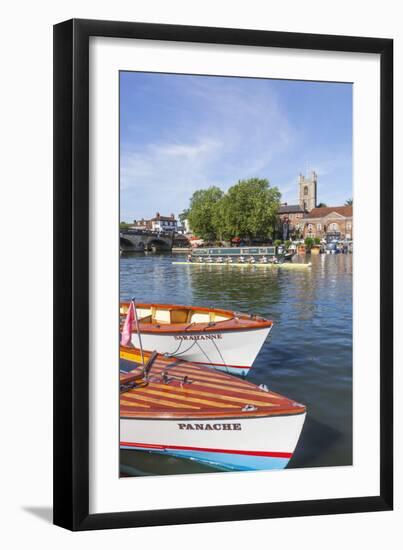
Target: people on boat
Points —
{"points": [[251, 259], [241, 259], [263, 260], [189, 257]]}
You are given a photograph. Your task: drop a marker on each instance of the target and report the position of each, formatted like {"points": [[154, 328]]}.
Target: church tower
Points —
{"points": [[307, 191]]}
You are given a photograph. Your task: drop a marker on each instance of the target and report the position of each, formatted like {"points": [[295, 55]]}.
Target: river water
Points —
{"points": [[308, 356]]}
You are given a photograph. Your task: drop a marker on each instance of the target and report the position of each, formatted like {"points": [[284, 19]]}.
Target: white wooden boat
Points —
{"points": [[185, 410], [216, 338]]}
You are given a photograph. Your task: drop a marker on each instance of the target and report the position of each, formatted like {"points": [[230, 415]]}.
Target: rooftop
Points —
{"points": [[163, 218], [346, 211], [290, 209]]}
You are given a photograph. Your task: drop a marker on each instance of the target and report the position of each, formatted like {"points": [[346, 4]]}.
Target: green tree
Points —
{"points": [[201, 213], [220, 219], [349, 202], [123, 225], [249, 209], [184, 215], [321, 205]]}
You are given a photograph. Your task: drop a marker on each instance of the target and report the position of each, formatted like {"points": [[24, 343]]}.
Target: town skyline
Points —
{"points": [[180, 133], [172, 213]]}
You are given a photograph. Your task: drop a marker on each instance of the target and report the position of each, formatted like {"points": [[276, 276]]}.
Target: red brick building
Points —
{"points": [[329, 221], [291, 214], [305, 219]]}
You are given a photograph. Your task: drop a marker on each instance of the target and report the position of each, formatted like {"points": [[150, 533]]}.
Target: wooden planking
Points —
{"points": [[207, 394], [224, 397], [133, 404], [184, 397], [233, 321], [135, 395], [207, 378]]}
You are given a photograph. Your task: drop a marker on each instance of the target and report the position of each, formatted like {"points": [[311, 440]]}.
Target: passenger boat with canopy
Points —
{"points": [[173, 407], [217, 338]]}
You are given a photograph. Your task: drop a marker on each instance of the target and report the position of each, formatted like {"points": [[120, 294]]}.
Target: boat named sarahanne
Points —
{"points": [[217, 338], [170, 406]]}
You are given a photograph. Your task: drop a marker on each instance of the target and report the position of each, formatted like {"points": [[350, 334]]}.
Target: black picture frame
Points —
{"points": [[71, 273]]}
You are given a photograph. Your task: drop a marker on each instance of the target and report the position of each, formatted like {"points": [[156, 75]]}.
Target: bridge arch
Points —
{"points": [[129, 244], [126, 243], [156, 244], [131, 241]]}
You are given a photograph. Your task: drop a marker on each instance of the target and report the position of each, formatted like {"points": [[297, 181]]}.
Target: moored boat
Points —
{"points": [[240, 255], [217, 338], [177, 408], [245, 264]]}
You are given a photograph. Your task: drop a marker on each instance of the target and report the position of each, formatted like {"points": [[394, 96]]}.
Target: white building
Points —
{"points": [[163, 223]]}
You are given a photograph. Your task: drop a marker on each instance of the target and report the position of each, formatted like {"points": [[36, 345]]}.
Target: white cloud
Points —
{"points": [[231, 134], [184, 150]]}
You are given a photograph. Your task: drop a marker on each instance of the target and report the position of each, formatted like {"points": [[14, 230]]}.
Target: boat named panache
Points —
{"points": [[216, 338], [170, 406]]}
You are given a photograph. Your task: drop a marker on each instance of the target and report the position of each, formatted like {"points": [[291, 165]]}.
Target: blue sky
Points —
{"points": [[180, 133]]}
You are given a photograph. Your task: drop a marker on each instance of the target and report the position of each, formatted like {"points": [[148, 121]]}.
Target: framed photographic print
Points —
{"points": [[223, 252]]}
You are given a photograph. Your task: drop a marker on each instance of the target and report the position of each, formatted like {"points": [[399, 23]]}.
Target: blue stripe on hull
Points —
{"points": [[226, 461]]}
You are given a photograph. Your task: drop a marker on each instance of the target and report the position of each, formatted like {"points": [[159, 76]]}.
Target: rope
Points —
{"points": [[177, 353], [202, 350], [222, 358], [174, 354]]}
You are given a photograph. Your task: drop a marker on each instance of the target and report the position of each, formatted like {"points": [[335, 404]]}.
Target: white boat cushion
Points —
{"points": [[219, 318], [163, 316], [143, 312], [200, 317]]}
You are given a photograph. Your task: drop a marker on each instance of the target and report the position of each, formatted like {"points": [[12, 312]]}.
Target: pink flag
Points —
{"points": [[127, 327]]}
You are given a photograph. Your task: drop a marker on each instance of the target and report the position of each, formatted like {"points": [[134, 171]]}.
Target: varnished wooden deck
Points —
{"points": [[179, 389], [235, 321]]}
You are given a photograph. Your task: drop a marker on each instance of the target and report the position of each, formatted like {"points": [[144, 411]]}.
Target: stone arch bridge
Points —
{"points": [[145, 241]]}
